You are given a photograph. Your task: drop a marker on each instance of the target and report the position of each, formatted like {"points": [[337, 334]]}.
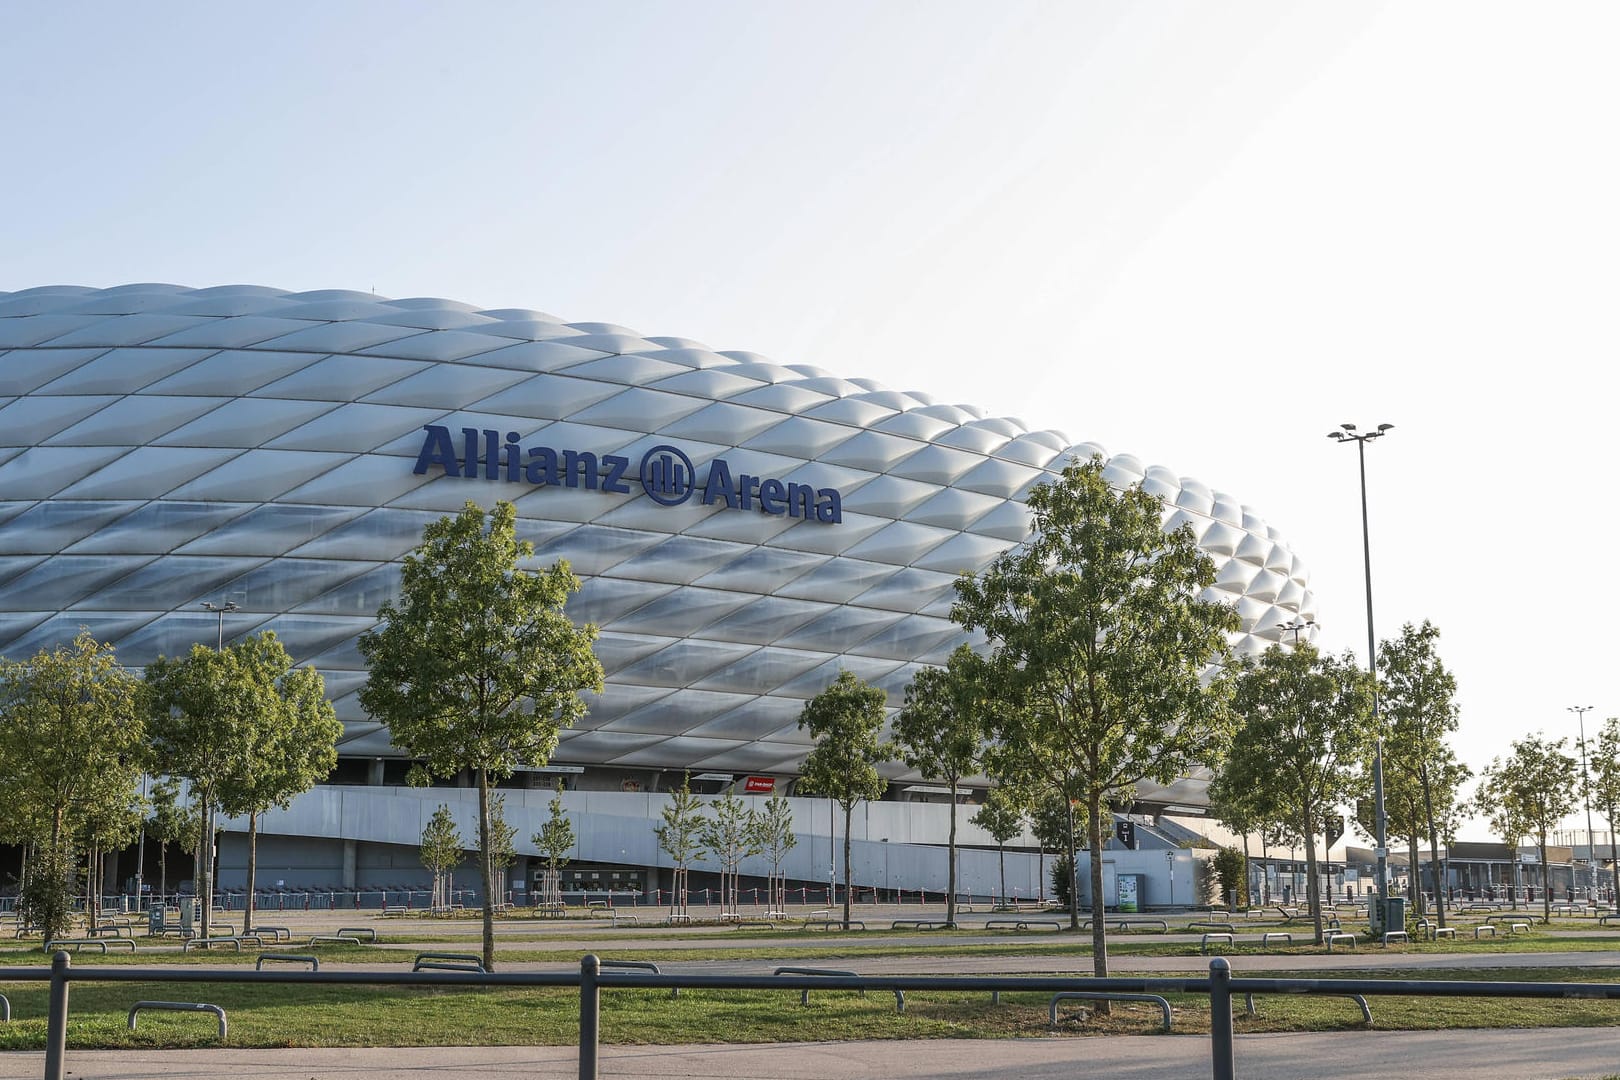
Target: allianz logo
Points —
{"points": [[665, 474]]}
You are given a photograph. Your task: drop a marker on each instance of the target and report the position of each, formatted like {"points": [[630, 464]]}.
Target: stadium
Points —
{"points": [[744, 529]]}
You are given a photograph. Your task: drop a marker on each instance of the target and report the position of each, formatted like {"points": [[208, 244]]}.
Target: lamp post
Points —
{"points": [[1294, 626], [1348, 433], [1580, 712], [208, 811]]}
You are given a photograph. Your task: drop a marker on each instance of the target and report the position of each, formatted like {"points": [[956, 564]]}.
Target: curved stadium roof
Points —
{"points": [[161, 446]]}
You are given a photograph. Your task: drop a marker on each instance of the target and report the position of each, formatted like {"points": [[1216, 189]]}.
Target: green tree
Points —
{"points": [[442, 851], [285, 749], [1527, 794], [554, 841], [1003, 818], [205, 709], [1231, 868], [776, 839], [681, 838], [71, 748], [502, 852], [940, 733], [477, 666], [1605, 780], [1417, 696], [846, 720], [171, 822], [1099, 628], [1305, 729], [731, 832]]}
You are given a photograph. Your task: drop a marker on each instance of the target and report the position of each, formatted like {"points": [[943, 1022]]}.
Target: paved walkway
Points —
{"points": [[1524, 1054]]}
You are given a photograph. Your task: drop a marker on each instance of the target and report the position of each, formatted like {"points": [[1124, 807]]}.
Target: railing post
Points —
{"points": [[590, 1015], [56, 1024], [1220, 1020]]}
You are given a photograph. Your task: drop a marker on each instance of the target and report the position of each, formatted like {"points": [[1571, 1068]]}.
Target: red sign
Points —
{"points": [[763, 785]]}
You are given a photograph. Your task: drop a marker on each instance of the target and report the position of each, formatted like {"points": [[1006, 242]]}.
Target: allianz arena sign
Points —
{"points": [[665, 474]]}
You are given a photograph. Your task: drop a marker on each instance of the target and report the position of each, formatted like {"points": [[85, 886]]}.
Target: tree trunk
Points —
{"points": [[1001, 857], [1099, 942], [1245, 903], [1313, 887], [1434, 853], [1414, 878], [950, 870], [252, 870], [487, 869], [849, 814], [163, 869], [205, 894], [1546, 879]]}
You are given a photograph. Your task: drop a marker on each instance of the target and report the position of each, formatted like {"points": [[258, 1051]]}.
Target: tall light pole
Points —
{"points": [[1294, 626], [1348, 433], [208, 811], [1580, 712], [220, 610]]}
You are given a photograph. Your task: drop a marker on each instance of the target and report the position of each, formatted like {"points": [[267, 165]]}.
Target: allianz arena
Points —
{"points": [[743, 528]]}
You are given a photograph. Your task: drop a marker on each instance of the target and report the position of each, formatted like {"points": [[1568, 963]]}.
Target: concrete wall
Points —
{"points": [[367, 837]]}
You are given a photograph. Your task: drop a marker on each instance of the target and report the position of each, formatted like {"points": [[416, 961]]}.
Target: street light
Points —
{"points": [[1348, 433], [1580, 712], [220, 610], [1294, 626]]}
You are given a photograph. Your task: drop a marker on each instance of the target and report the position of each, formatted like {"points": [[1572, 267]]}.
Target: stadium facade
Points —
{"points": [[744, 529]]}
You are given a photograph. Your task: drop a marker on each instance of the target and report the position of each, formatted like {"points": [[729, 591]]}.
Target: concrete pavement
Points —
{"points": [[1522, 1054]]}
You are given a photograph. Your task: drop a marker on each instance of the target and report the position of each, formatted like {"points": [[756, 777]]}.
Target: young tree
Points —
{"points": [[1231, 871], [680, 837], [1003, 819], [731, 832], [1417, 696], [1306, 725], [1605, 781], [171, 822], [502, 851], [776, 839], [205, 709], [285, 750], [71, 748], [940, 733], [554, 841], [442, 851], [1099, 628], [1527, 794], [847, 721], [477, 666]]}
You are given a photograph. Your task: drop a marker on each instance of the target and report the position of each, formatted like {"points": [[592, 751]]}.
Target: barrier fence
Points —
{"points": [[591, 980]]}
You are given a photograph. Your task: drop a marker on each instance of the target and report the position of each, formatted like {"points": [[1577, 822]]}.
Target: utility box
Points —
{"points": [[1395, 913]]}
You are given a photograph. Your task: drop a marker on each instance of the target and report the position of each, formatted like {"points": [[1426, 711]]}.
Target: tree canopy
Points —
{"points": [[477, 665], [1099, 627], [941, 732], [1527, 793], [1306, 726], [846, 720]]}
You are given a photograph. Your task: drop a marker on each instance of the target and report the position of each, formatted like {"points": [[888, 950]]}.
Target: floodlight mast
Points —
{"points": [[1347, 433]]}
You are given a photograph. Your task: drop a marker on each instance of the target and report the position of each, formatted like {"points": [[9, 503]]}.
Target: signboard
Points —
{"points": [[760, 785], [665, 474], [1127, 892]]}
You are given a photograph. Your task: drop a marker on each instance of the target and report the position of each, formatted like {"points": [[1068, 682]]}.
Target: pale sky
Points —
{"points": [[1204, 234]]}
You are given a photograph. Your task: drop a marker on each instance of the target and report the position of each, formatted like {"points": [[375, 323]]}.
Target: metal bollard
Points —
{"points": [[590, 1015], [1222, 1062], [56, 1025]]}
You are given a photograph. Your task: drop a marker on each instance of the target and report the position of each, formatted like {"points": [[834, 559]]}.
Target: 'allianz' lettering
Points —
{"points": [[665, 473]]}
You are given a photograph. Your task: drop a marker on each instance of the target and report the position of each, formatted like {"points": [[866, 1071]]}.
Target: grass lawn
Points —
{"points": [[301, 1015]]}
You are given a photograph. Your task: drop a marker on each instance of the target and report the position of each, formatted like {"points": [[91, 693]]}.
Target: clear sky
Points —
{"points": [[1201, 233]]}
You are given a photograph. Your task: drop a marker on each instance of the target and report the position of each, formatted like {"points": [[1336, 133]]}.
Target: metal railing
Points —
{"points": [[591, 979]]}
